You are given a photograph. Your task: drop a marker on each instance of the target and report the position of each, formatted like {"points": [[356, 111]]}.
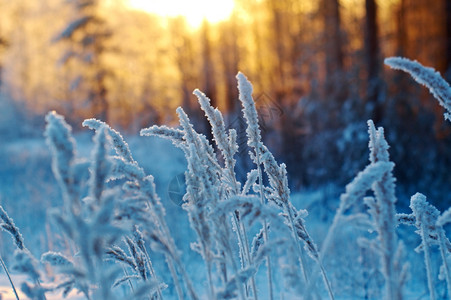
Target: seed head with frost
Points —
{"points": [[427, 77]]}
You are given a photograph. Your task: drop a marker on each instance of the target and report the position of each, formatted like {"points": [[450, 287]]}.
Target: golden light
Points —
{"points": [[195, 11]]}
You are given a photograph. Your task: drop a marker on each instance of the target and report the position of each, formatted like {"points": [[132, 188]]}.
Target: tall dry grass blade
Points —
{"points": [[228, 151], [427, 77], [9, 277], [383, 212], [254, 141], [426, 216], [443, 219]]}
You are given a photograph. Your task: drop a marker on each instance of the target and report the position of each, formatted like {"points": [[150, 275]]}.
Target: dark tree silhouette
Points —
{"points": [[86, 35], [372, 57]]}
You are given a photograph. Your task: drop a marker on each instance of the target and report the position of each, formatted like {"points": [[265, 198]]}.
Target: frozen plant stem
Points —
{"points": [[242, 237], [441, 90], [185, 276], [171, 259], [298, 246], [354, 191], [326, 280], [152, 272], [384, 212], [176, 280], [227, 149], [243, 240], [246, 247], [9, 277], [129, 281], [427, 260], [265, 229], [235, 269], [254, 141], [443, 250], [210, 281]]}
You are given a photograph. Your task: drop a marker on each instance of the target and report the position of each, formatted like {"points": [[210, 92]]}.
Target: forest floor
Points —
{"points": [[28, 189]]}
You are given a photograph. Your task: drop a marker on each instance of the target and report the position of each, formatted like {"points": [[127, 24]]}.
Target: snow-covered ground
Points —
{"points": [[28, 189]]}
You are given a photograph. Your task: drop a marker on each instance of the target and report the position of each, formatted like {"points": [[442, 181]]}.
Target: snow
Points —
{"points": [[159, 157], [123, 234]]}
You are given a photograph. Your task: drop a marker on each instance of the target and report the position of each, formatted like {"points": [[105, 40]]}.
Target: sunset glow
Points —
{"points": [[195, 11]]}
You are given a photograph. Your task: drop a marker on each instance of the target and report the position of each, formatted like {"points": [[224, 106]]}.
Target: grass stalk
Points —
{"points": [[9, 277], [265, 227], [236, 270], [298, 246], [443, 250], [427, 260], [326, 280], [243, 240], [177, 285], [246, 248], [152, 272]]}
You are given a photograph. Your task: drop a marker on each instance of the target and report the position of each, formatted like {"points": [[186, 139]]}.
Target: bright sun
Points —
{"points": [[195, 11]]}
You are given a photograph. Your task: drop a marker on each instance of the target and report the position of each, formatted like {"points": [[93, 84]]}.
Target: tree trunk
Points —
{"points": [[401, 29], [2, 46], [99, 99], [208, 74], [448, 40], [372, 60], [333, 48], [230, 57], [333, 41], [279, 32]]}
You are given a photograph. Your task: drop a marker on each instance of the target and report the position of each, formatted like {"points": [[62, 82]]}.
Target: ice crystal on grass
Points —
{"points": [[119, 143], [176, 136], [56, 259], [8, 225], [62, 146], [90, 222], [378, 177], [383, 212], [100, 167], [224, 142], [278, 190], [212, 184], [26, 263], [427, 219], [444, 218], [24, 260], [427, 77], [426, 216]]}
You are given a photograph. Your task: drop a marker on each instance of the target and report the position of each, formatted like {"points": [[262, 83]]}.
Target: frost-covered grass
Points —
{"points": [[248, 240]]}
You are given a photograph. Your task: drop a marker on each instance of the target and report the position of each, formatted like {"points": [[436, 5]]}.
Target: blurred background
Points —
{"points": [[316, 66]]}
